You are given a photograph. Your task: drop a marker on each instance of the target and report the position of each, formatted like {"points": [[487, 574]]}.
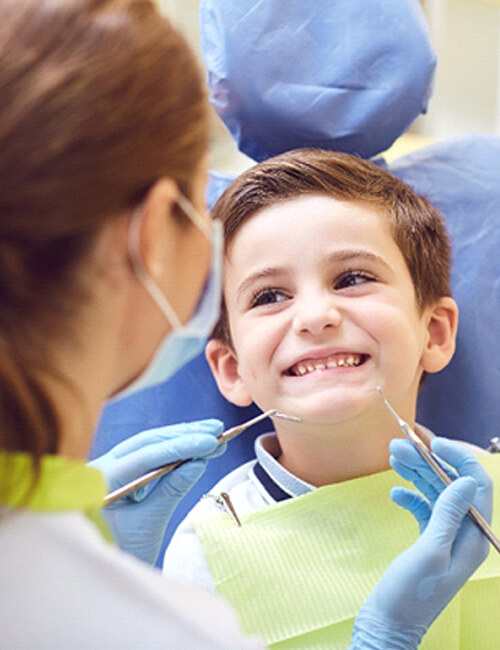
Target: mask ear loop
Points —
{"points": [[188, 208], [137, 264]]}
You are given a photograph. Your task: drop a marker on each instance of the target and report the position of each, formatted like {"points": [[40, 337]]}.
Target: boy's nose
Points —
{"points": [[316, 314]]}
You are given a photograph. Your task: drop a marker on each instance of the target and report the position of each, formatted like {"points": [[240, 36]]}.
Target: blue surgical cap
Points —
{"points": [[348, 75]]}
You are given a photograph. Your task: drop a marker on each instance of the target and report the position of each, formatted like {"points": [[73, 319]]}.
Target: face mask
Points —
{"points": [[183, 342]]}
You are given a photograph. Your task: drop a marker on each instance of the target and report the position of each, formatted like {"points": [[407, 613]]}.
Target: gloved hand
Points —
{"points": [[138, 521], [421, 581]]}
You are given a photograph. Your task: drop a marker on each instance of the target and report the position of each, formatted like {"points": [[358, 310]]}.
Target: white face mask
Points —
{"points": [[183, 342]]}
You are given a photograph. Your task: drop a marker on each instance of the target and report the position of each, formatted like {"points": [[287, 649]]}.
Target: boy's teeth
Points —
{"points": [[348, 361]]}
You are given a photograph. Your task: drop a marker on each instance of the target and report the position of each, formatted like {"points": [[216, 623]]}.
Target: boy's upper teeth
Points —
{"points": [[333, 361]]}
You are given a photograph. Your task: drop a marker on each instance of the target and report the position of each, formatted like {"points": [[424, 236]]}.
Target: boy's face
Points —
{"points": [[321, 309]]}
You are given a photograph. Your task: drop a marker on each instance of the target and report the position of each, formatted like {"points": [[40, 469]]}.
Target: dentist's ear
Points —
{"points": [[441, 335], [224, 366], [158, 228]]}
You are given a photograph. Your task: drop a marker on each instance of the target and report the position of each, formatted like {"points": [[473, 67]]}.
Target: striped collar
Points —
{"points": [[271, 478]]}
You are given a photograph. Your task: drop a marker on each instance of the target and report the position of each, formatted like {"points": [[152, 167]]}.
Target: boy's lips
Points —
{"points": [[307, 365]]}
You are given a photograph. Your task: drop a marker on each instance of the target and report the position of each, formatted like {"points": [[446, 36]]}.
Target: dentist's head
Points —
{"points": [[105, 249]]}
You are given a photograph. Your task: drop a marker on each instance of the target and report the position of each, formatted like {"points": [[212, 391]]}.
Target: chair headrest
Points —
{"points": [[348, 75]]}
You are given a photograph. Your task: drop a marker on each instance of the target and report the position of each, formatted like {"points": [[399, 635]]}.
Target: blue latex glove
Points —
{"points": [[138, 521], [423, 579]]}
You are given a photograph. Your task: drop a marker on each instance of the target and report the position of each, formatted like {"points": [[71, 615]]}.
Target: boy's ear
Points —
{"points": [[224, 366], [441, 334]]}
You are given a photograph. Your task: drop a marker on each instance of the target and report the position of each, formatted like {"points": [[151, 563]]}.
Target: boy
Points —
{"points": [[336, 281]]}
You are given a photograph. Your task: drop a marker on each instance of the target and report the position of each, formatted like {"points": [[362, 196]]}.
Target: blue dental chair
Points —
{"points": [[361, 79]]}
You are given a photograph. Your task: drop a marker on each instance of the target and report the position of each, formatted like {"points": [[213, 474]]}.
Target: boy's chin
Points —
{"points": [[333, 409]]}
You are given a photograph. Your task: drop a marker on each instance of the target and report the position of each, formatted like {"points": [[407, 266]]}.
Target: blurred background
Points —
{"points": [[466, 98]]}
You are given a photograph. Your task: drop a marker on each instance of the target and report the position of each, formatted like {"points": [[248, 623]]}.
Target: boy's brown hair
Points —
{"points": [[418, 228]]}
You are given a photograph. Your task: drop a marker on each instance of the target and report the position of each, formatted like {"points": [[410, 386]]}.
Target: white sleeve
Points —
{"points": [[76, 591], [184, 559]]}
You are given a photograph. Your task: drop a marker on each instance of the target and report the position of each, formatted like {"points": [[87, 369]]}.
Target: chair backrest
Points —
{"points": [[461, 177]]}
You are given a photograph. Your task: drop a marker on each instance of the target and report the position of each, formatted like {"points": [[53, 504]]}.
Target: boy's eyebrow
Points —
{"points": [[344, 255], [261, 274], [355, 253]]}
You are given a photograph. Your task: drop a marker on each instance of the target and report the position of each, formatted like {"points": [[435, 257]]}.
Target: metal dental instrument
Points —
{"points": [[433, 462], [224, 501], [230, 508], [227, 435]]}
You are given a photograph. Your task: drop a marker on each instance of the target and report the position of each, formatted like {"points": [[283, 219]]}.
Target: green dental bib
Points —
{"points": [[298, 572]]}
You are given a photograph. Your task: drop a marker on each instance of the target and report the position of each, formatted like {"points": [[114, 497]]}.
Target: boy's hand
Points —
{"points": [[423, 579], [138, 521]]}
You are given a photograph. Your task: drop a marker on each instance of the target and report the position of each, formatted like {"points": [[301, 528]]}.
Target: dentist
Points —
{"points": [[109, 281]]}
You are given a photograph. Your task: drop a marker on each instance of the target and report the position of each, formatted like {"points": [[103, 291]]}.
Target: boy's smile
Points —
{"points": [[325, 362], [322, 308]]}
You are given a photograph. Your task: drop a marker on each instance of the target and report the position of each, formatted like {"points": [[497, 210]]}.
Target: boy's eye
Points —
{"points": [[352, 279], [267, 297]]}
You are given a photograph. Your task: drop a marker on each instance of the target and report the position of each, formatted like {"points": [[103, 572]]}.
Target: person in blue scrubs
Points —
{"points": [[109, 282]]}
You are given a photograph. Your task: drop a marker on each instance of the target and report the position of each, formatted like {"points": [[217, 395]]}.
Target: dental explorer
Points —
{"points": [[227, 435], [432, 461]]}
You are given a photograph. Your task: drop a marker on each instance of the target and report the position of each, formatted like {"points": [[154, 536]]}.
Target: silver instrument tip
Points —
{"points": [[386, 403], [284, 416]]}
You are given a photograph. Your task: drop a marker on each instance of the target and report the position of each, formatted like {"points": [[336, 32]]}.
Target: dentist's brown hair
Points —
{"points": [[98, 100]]}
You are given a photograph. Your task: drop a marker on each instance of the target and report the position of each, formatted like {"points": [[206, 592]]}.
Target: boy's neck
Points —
{"points": [[321, 455]]}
